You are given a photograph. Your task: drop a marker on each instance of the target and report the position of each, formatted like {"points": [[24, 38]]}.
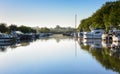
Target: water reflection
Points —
{"points": [[58, 55], [6, 45], [56, 37], [106, 53]]}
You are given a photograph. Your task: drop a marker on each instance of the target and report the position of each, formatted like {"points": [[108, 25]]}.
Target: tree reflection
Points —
{"points": [[109, 57], [57, 38]]}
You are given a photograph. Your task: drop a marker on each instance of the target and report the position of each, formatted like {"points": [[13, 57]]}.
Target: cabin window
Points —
{"points": [[97, 32], [118, 34]]}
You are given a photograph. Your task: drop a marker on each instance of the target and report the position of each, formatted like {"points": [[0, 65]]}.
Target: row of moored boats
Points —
{"points": [[112, 35], [16, 36]]}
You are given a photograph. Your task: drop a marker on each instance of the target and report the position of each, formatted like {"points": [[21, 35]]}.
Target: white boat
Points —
{"points": [[115, 38], [116, 35], [113, 35], [96, 34], [5, 37], [104, 36], [80, 34], [116, 43]]}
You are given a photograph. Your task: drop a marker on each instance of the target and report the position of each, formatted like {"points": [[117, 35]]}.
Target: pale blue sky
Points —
{"points": [[47, 13]]}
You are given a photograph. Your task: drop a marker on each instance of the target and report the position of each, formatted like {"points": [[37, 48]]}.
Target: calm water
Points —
{"points": [[56, 55]]}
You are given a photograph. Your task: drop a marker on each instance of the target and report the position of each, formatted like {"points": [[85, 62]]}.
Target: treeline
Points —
{"points": [[108, 16], [7, 29], [25, 29], [57, 29]]}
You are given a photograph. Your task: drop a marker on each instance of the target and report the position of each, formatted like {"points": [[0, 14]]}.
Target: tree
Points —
{"points": [[3, 28], [13, 27], [26, 29], [107, 16], [44, 30], [57, 27]]}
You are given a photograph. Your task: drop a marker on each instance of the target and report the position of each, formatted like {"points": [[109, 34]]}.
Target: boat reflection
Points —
{"points": [[6, 45], [12, 44], [96, 43], [106, 53], [115, 49]]}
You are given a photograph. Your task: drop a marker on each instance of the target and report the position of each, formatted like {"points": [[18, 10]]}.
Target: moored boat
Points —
{"points": [[96, 34], [5, 37]]}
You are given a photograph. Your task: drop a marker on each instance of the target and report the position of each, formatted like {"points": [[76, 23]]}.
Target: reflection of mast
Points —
{"points": [[75, 48]]}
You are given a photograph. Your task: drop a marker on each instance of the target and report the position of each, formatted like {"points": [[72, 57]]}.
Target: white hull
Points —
{"points": [[5, 43], [92, 36], [115, 38], [5, 40], [5, 37], [104, 36]]}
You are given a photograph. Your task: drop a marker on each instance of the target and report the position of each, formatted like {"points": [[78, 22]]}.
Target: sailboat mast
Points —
{"points": [[75, 21], [75, 34]]}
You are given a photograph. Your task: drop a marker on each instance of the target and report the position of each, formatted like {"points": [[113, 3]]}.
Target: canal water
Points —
{"points": [[57, 55]]}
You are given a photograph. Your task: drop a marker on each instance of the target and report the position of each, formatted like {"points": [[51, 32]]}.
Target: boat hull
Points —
{"points": [[92, 36], [115, 38]]}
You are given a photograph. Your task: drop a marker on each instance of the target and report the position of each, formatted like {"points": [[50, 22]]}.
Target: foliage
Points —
{"points": [[106, 57], [44, 30], [59, 29], [106, 17], [13, 27], [26, 29], [3, 28]]}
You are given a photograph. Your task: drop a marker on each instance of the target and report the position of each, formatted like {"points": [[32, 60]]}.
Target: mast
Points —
{"points": [[75, 21], [75, 34]]}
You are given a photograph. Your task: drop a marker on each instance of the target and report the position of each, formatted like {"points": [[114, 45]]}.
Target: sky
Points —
{"points": [[47, 13]]}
